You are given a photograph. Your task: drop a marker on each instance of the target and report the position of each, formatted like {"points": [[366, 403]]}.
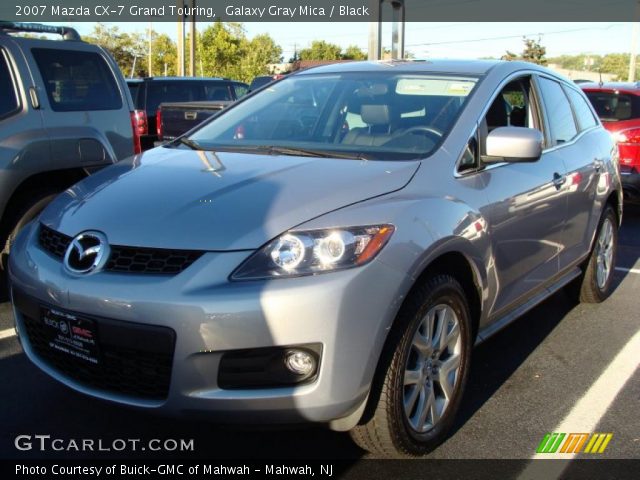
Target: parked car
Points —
{"points": [[618, 106], [175, 118], [149, 92], [65, 111], [263, 80], [337, 262]]}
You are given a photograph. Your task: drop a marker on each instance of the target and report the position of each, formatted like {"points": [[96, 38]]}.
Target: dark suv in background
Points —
{"points": [[618, 106], [149, 92], [65, 112]]}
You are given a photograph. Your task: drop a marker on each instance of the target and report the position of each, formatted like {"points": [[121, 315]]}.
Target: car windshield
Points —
{"points": [[388, 116], [613, 107]]}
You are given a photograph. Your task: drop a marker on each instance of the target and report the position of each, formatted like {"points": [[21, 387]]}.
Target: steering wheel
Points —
{"points": [[421, 129]]}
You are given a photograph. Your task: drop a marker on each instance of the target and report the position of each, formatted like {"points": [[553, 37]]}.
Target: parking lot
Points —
{"points": [[526, 381]]}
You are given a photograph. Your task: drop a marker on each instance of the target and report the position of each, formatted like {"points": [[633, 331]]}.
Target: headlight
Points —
{"points": [[315, 251]]}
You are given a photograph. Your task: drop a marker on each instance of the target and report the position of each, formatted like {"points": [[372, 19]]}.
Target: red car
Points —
{"points": [[618, 106]]}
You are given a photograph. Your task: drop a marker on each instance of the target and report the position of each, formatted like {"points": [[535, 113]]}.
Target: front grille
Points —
{"points": [[127, 259], [54, 242], [150, 260], [135, 360]]}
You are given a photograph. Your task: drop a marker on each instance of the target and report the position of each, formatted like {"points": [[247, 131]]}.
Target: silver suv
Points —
{"points": [[327, 250], [64, 113]]}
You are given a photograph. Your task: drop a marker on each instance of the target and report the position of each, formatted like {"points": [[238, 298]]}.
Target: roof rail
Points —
{"points": [[66, 32]]}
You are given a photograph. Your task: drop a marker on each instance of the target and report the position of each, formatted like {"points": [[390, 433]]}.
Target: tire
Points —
{"points": [[593, 286], [407, 373], [31, 206]]}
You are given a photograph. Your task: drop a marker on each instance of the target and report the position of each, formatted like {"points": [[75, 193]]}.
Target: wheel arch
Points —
{"points": [[49, 180]]}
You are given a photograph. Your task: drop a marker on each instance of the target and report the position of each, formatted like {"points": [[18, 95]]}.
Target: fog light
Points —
{"points": [[299, 362], [270, 367]]}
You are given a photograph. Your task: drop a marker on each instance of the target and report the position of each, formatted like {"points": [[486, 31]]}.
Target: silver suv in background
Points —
{"points": [[65, 111], [327, 250]]}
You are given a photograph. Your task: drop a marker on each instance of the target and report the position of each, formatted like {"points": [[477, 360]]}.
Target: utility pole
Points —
{"points": [[634, 52], [192, 41], [150, 63], [180, 42]]}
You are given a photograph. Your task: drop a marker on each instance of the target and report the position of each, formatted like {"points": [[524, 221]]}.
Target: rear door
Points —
{"points": [[584, 158], [24, 145], [527, 208], [85, 107]]}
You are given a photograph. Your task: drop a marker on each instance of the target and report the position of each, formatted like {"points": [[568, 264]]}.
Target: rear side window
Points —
{"points": [[9, 100], [240, 89], [259, 82], [217, 92], [134, 89], [584, 115], [613, 107], [560, 116], [77, 81]]}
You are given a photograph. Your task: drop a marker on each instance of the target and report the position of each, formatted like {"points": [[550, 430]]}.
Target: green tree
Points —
{"points": [[533, 52], [224, 50], [260, 51], [124, 47], [616, 63], [353, 52], [163, 53], [321, 50], [221, 49]]}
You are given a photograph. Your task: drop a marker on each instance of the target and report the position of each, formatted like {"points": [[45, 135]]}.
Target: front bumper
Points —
{"points": [[347, 312]]}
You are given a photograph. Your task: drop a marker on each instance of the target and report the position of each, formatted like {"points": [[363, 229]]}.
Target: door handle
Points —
{"points": [[33, 96], [559, 180], [597, 164]]}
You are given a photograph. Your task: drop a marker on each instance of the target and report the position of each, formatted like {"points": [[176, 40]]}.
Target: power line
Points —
{"points": [[504, 37]]}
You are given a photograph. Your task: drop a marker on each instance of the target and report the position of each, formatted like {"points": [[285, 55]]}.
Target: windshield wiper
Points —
{"points": [[313, 153], [189, 143], [271, 150]]}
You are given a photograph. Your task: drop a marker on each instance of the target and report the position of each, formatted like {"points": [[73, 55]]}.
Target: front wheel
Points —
{"points": [[424, 371]]}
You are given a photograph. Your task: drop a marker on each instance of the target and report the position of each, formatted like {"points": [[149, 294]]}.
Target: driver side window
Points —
{"points": [[512, 107]]}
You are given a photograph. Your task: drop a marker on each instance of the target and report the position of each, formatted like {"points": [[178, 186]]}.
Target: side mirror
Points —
{"points": [[513, 144]]}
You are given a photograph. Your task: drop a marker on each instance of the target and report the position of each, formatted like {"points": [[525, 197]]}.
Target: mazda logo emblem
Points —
{"points": [[87, 253]]}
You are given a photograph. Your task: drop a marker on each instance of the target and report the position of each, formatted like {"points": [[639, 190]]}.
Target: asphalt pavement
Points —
{"points": [[524, 382]]}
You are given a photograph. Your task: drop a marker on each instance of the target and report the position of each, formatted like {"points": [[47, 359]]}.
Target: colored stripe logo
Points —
{"points": [[574, 442]]}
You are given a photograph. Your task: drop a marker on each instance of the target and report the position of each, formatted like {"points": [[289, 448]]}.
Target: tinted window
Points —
{"points": [[259, 82], [77, 81], [386, 115], [560, 116], [134, 88], [241, 89], [9, 97], [611, 106], [185, 91], [584, 115]]}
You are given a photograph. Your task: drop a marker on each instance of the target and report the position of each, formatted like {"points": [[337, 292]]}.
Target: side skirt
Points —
{"points": [[545, 293]]}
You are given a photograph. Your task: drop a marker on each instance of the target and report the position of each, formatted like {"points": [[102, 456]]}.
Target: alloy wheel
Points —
{"points": [[604, 254], [433, 367]]}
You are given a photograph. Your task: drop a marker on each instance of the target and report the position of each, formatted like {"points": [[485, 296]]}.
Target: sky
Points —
{"points": [[433, 40]]}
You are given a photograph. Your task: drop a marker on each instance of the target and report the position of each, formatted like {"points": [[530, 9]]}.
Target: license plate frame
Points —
{"points": [[71, 334]]}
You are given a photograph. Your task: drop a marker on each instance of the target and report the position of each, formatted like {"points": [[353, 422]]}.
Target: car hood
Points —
{"points": [[185, 199]]}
